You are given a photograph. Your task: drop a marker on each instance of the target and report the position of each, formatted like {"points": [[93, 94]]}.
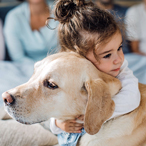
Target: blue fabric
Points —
{"points": [[69, 139], [25, 45], [120, 10]]}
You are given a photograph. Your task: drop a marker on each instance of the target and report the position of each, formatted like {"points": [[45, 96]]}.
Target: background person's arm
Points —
{"points": [[133, 30], [134, 45]]}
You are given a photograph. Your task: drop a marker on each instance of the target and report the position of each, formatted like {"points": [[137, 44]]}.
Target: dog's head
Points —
{"points": [[64, 85]]}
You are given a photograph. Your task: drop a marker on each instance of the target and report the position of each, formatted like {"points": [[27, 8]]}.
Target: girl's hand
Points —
{"points": [[70, 126]]}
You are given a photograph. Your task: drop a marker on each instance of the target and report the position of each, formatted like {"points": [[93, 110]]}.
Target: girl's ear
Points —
{"points": [[100, 105]]}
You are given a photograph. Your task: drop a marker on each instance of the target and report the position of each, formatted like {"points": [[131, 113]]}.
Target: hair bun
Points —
{"points": [[64, 10], [80, 3]]}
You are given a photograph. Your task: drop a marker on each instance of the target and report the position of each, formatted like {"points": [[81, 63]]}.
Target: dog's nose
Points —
{"points": [[7, 98]]}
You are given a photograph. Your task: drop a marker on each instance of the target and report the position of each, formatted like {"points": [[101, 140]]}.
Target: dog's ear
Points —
{"points": [[99, 107]]}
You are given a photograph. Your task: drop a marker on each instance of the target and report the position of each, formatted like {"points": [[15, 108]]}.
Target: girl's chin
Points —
{"points": [[114, 74]]}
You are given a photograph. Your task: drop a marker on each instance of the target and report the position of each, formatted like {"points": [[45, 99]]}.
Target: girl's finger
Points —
{"points": [[75, 125], [75, 128], [72, 121], [71, 125], [76, 117], [78, 125], [75, 131]]}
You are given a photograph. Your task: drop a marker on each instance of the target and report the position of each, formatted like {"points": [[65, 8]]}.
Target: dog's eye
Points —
{"points": [[50, 84]]}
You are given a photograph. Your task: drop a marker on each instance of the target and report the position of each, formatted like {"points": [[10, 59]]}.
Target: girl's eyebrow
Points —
{"points": [[110, 50], [105, 52]]}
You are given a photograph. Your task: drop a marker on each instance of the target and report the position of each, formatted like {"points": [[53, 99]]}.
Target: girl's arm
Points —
{"points": [[54, 129], [132, 29], [129, 96]]}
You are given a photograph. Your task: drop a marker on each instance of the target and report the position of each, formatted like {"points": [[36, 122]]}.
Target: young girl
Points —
{"points": [[93, 33]]}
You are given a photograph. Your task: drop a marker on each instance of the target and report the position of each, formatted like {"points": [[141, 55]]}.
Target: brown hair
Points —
{"points": [[83, 25]]}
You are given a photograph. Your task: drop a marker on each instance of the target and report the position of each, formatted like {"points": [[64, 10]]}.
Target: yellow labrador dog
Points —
{"points": [[65, 85]]}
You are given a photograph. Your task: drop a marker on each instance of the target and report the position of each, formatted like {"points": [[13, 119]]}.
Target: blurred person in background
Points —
{"points": [[136, 27], [112, 7], [2, 44], [27, 37], [119, 14]]}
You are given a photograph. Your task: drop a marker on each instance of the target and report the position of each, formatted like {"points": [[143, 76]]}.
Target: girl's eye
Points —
{"points": [[120, 47], [107, 56]]}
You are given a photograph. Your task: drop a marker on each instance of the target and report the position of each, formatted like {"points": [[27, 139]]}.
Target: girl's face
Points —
{"points": [[110, 56]]}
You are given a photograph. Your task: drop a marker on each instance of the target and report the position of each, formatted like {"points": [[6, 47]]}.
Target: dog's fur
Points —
{"points": [[82, 89]]}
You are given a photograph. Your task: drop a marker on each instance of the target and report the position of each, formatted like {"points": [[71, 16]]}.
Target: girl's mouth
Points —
{"points": [[116, 69]]}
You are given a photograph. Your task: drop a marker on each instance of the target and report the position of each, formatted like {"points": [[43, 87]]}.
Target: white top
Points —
{"points": [[126, 100], [136, 25], [2, 44]]}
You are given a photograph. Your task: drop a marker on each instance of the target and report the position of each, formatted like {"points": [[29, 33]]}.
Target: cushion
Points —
{"points": [[3, 114], [13, 133]]}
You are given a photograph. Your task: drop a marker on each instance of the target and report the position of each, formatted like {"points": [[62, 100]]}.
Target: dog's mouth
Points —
{"points": [[15, 114], [22, 122], [19, 116], [27, 123]]}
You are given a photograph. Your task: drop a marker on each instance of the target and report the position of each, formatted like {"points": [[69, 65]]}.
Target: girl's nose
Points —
{"points": [[117, 59]]}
